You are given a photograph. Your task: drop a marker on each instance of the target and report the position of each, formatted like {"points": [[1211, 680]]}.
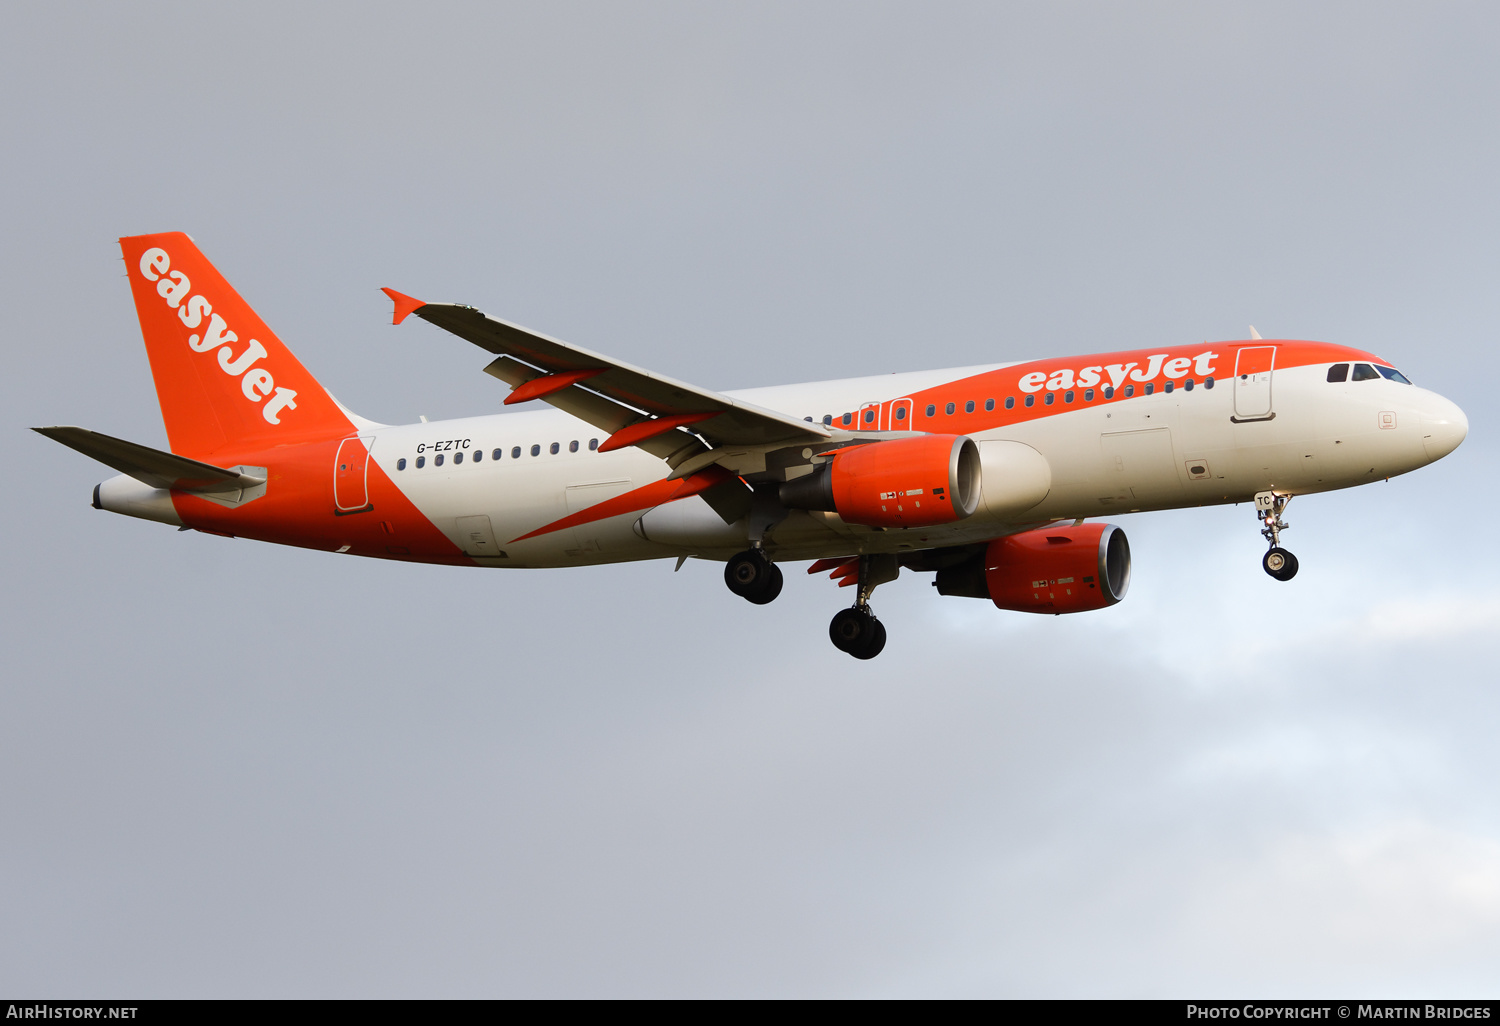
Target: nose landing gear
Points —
{"points": [[1278, 562]]}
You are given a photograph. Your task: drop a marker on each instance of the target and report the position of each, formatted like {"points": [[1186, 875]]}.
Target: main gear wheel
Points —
{"points": [[753, 577], [857, 632]]}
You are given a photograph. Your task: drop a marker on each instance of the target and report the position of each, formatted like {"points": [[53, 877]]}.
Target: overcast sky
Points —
{"points": [[232, 769]]}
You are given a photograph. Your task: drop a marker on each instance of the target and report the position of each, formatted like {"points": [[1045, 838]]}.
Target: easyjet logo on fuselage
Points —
{"points": [[1119, 373], [255, 382]]}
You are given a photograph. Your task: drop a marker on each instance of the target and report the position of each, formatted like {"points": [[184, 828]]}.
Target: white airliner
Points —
{"points": [[983, 476]]}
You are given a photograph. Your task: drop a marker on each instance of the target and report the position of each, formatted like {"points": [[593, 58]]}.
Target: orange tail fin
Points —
{"points": [[223, 378]]}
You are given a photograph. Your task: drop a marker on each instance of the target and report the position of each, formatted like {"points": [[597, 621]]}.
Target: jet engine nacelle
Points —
{"points": [[1051, 570], [905, 482]]}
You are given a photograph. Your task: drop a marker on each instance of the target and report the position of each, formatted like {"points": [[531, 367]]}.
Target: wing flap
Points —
{"points": [[639, 392], [592, 408]]}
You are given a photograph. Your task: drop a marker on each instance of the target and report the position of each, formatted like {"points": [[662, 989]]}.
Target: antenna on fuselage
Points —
{"points": [[1253, 332]]}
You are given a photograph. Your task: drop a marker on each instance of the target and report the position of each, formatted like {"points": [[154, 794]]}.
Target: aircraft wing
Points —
{"points": [[638, 407], [150, 466]]}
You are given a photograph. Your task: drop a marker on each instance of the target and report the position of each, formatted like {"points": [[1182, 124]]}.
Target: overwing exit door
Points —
{"points": [[351, 492], [1252, 383], [901, 418]]}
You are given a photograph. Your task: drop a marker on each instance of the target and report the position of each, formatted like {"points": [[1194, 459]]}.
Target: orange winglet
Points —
{"points": [[642, 430], [547, 384], [830, 564], [404, 305]]}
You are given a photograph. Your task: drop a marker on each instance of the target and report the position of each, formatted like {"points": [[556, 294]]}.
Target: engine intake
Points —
{"points": [[1051, 570], [905, 482]]}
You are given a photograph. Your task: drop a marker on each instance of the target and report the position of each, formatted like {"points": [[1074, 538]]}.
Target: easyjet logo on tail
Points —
{"points": [[255, 382]]}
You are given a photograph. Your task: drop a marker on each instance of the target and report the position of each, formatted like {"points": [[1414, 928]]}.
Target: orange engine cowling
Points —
{"points": [[1051, 570], [905, 482]]}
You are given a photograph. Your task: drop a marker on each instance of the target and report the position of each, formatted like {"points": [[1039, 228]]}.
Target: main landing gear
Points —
{"points": [[1278, 562], [753, 577], [856, 630]]}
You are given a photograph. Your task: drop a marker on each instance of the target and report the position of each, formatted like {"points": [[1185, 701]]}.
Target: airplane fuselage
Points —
{"points": [[529, 489], [966, 473]]}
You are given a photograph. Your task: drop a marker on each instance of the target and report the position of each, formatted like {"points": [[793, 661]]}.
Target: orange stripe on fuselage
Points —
{"points": [[1065, 373], [298, 509]]}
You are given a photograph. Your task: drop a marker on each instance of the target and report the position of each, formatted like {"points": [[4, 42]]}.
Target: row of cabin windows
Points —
{"points": [[1048, 399], [477, 456], [1365, 372]]}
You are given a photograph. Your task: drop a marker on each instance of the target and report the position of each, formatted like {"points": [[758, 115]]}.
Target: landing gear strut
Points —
{"points": [[1278, 562], [752, 576], [855, 630]]}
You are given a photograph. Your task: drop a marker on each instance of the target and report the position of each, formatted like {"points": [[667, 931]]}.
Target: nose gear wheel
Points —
{"points": [[1278, 562]]}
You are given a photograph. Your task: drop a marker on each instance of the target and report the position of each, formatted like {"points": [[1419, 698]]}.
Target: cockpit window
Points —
{"points": [[1364, 372], [1338, 372], [1392, 374]]}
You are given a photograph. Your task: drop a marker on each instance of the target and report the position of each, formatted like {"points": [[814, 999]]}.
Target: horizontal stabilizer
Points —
{"points": [[150, 466]]}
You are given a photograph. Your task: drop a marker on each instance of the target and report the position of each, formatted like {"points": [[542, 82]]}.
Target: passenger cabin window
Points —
{"points": [[1048, 400], [555, 448], [869, 416], [593, 444], [515, 453], [458, 457], [1150, 388], [969, 406], [1392, 374], [1208, 382], [1010, 402], [497, 454], [989, 404], [827, 420], [1188, 384], [536, 450], [1167, 387], [931, 410], [1088, 395], [948, 409], [573, 445], [1031, 400], [401, 463], [437, 461], [1338, 372], [421, 462], [901, 413], [1364, 372], [1067, 397], [848, 419], [478, 455], [1129, 391]]}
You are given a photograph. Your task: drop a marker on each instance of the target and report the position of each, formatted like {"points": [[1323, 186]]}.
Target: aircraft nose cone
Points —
{"points": [[1444, 426]]}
